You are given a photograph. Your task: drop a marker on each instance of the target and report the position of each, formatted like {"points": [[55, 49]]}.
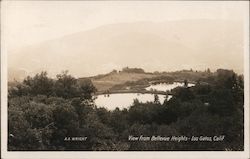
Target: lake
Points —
{"points": [[167, 86], [124, 100]]}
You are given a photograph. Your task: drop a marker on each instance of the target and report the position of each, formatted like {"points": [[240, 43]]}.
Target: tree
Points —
{"points": [[86, 89], [21, 136], [208, 71], [184, 94], [65, 85], [38, 115], [156, 99], [66, 124], [185, 83], [40, 84]]}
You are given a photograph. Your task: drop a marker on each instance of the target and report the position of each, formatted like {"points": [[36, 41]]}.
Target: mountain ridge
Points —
{"points": [[164, 46]]}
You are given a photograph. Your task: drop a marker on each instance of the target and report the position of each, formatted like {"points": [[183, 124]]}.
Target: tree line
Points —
{"points": [[43, 111]]}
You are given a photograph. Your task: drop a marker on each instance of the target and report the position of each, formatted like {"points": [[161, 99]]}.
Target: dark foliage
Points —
{"points": [[42, 112]]}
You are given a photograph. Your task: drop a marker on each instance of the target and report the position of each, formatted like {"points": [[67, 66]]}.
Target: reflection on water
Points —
{"points": [[166, 86], [124, 100]]}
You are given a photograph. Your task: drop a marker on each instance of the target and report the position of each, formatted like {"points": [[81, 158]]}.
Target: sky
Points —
{"points": [[26, 23], [36, 33]]}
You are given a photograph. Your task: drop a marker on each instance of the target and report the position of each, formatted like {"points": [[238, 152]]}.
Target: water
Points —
{"points": [[166, 86], [124, 100]]}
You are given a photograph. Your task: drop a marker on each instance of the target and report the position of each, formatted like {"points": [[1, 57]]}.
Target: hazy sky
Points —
{"points": [[93, 37], [28, 22]]}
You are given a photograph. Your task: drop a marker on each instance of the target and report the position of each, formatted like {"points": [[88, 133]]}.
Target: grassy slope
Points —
{"points": [[108, 81]]}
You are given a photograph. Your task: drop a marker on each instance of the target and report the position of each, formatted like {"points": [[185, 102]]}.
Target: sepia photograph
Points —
{"points": [[125, 76]]}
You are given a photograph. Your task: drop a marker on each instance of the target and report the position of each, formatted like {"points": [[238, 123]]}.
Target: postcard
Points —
{"points": [[127, 79]]}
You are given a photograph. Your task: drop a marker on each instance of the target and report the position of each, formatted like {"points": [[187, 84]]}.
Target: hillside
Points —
{"points": [[120, 80], [163, 46], [107, 81]]}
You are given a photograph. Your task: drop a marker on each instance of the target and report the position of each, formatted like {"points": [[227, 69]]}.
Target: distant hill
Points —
{"points": [[164, 46], [121, 79], [107, 81]]}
